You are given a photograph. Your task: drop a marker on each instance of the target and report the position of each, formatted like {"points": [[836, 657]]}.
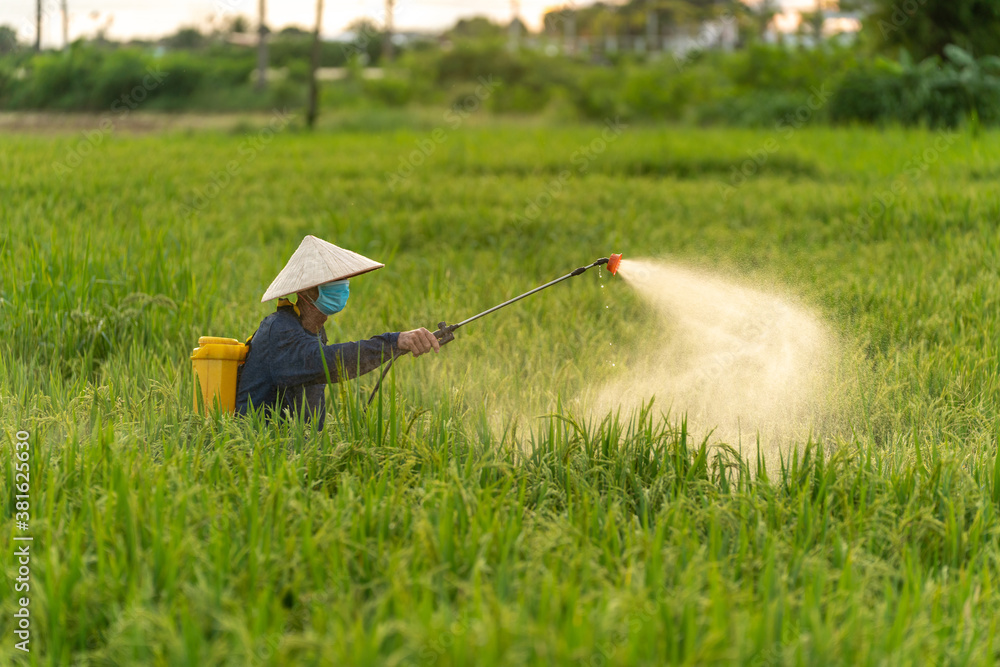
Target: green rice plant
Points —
{"points": [[479, 512]]}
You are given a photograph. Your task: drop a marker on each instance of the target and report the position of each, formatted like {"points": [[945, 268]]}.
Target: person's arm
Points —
{"points": [[298, 358]]}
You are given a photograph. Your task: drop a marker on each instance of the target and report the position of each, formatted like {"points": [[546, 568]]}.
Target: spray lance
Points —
{"points": [[446, 332]]}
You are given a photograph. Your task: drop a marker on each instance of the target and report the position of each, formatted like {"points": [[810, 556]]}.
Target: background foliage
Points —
{"points": [[935, 65]]}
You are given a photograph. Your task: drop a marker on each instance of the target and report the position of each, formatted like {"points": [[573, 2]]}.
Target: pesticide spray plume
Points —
{"points": [[741, 362]]}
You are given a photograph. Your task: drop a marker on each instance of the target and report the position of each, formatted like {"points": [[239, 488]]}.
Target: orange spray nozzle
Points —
{"points": [[613, 263]]}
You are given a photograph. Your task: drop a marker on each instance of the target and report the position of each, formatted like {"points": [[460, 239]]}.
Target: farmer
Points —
{"points": [[284, 369]]}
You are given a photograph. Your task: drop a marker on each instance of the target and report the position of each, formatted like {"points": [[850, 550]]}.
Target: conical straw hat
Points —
{"points": [[316, 262]]}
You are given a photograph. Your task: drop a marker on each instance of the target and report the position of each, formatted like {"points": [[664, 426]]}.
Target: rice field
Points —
{"points": [[479, 513]]}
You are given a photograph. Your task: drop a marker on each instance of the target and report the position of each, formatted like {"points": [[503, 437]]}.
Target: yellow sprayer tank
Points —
{"points": [[215, 363]]}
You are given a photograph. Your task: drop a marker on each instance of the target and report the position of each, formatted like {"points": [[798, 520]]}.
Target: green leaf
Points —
{"points": [[959, 56]]}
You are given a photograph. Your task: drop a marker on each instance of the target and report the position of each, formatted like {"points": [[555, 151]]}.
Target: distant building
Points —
{"points": [[792, 17]]}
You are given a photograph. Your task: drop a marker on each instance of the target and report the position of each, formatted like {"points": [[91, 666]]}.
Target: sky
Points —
{"points": [[127, 19]]}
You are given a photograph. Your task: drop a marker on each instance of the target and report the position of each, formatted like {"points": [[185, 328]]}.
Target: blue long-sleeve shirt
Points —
{"points": [[284, 367]]}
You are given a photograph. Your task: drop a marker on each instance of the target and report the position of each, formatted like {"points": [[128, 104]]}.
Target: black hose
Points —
{"points": [[385, 371]]}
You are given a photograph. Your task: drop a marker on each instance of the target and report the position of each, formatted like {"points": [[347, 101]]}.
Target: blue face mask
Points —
{"points": [[332, 297]]}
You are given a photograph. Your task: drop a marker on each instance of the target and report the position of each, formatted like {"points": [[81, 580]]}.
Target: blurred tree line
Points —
{"points": [[931, 62], [924, 28]]}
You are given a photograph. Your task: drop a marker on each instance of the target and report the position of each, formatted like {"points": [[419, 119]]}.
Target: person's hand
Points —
{"points": [[418, 341]]}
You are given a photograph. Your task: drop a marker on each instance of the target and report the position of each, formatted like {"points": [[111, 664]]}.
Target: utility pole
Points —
{"points": [[65, 13], [653, 31], [514, 34], [570, 32], [313, 110], [38, 25], [261, 49], [387, 37], [766, 11]]}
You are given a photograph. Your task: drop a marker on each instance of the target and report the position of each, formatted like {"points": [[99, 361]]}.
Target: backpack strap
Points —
{"points": [[239, 369], [283, 302]]}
